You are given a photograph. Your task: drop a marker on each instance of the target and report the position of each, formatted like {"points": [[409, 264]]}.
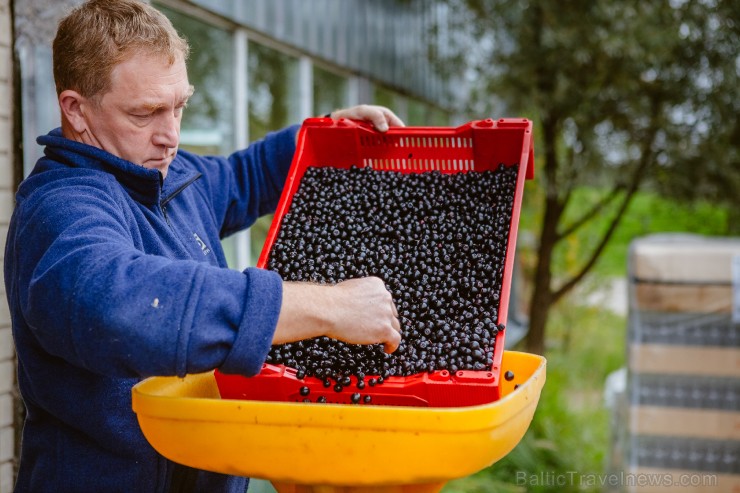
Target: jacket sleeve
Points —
{"points": [[248, 183], [89, 295]]}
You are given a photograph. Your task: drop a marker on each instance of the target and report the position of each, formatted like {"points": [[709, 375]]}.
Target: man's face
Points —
{"points": [[139, 118]]}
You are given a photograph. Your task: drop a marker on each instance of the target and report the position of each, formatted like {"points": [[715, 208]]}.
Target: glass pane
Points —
{"points": [[330, 91], [207, 123], [273, 90], [273, 104], [385, 97], [438, 117], [417, 114]]}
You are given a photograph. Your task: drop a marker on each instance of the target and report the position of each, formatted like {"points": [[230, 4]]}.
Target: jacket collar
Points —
{"points": [[142, 184]]}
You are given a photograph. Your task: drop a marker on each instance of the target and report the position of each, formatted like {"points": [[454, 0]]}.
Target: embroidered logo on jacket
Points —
{"points": [[203, 247]]}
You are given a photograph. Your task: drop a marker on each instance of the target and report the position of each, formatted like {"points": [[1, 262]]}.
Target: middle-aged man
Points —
{"points": [[114, 268]]}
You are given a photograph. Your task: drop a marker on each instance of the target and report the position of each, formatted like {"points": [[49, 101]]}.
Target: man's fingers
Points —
{"points": [[396, 324], [380, 117], [392, 344], [392, 119], [379, 121]]}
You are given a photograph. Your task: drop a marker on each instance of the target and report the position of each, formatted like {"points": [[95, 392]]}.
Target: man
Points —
{"points": [[114, 269]]}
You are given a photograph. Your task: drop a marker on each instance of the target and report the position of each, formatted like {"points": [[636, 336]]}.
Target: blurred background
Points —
{"points": [[628, 234]]}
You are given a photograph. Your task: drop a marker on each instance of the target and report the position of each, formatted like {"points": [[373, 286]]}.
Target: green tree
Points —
{"points": [[620, 93], [706, 163]]}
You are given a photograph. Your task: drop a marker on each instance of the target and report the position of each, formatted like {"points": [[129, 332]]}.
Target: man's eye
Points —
{"points": [[142, 116]]}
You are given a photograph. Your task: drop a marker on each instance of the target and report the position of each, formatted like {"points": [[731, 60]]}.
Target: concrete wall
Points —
{"points": [[7, 356]]}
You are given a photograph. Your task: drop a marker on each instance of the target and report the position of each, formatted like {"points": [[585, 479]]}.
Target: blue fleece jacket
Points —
{"points": [[113, 275]]}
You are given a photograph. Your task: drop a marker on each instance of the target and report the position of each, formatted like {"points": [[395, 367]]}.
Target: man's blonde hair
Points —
{"points": [[96, 36]]}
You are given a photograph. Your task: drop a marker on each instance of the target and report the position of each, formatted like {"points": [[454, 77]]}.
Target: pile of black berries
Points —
{"points": [[437, 240]]}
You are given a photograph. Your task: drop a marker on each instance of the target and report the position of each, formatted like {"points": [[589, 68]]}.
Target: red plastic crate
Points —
{"points": [[474, 147]]}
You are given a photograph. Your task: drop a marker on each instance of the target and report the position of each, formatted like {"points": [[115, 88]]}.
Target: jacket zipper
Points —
{"points": [[163, 204]]}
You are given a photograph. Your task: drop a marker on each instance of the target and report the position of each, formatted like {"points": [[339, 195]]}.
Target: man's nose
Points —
{"points": [[168, 131]]}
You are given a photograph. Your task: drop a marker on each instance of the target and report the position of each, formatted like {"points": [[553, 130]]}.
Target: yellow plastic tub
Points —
{"points": [[332, 448]]}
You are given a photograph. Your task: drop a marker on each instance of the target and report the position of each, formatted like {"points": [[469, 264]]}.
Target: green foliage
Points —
{"points": [[648, 213]]}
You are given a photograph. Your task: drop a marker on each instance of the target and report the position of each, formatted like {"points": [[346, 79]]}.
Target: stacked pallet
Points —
{"points": [[683, 386]]}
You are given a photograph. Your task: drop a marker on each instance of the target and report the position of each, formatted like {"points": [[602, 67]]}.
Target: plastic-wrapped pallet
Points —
{"points": [[684, 364]]}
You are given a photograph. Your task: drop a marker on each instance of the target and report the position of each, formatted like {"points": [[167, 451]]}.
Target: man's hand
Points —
{"points": [[380, 116], [357, 311]]}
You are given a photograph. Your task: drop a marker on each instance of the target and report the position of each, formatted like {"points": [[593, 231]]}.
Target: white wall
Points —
{"points": [[7, 356]]}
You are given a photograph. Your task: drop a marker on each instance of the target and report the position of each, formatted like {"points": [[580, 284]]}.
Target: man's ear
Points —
{"points": [[70, 104]]}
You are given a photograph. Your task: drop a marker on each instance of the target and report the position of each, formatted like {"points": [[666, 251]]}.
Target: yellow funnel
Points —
{"points": [[333, 448]]}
